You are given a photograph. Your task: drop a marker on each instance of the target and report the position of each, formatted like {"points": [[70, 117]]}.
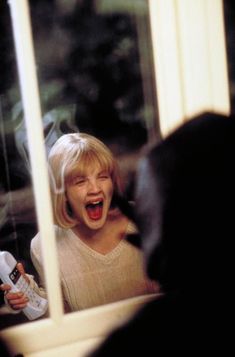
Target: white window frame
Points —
{"points": [[190, 59], [191, 77]]}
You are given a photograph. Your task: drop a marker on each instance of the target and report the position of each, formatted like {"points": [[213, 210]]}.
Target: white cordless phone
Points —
{"points": [[9, 274]]}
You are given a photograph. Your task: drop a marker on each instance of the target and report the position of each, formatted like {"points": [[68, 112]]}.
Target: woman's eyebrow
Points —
{"points": [[104, 172], [75, 175], [79, 175]]}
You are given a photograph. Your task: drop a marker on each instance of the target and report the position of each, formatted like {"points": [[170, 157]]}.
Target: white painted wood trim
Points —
{"points": [[190, 59], [32, 112], [86, 325]]}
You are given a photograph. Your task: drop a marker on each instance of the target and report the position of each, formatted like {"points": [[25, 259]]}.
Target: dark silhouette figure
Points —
{"points": [[4, 351], [185, 198]]}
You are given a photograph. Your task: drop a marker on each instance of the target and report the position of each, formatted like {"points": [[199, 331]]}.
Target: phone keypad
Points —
{"points": [[23, 286]]}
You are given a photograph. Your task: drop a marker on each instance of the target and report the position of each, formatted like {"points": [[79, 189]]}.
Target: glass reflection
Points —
{"points": [[95, 76], [18, 222], [91, 80]]}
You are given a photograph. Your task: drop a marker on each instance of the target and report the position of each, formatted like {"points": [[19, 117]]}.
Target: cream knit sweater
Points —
{"points": [[89, 278]]}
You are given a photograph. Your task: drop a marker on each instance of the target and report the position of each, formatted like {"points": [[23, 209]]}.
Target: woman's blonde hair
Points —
{"points": [[70, 153]]}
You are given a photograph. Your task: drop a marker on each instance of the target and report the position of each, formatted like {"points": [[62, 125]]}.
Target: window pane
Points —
{"points": [[95, 73], [94, 64], [18, 223]]}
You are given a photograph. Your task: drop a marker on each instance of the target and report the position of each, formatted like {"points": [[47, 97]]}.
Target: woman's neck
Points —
{"points": [[105, 239]]}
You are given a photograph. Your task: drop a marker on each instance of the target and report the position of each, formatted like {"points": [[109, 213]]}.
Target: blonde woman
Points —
{"points": [[97, 265]]}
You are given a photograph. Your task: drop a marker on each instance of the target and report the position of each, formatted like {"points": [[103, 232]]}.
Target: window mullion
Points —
{"points": [[32, 111]]}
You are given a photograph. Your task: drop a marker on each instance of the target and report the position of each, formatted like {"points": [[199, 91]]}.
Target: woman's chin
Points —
{"points": [[95, 223]]}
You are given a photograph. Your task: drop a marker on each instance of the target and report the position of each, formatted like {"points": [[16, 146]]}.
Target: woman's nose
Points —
{"points": [[93, 186]]}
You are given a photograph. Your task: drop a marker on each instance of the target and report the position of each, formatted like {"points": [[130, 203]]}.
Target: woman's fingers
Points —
{"points": [[17, 300], [5, 287], [22, 271]]}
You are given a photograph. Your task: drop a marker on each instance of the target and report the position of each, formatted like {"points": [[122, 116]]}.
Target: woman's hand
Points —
{"points": [[17, 301]]}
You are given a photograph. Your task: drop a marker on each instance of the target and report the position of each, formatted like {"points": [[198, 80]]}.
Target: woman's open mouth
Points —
{"points": [[95, 209]]}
